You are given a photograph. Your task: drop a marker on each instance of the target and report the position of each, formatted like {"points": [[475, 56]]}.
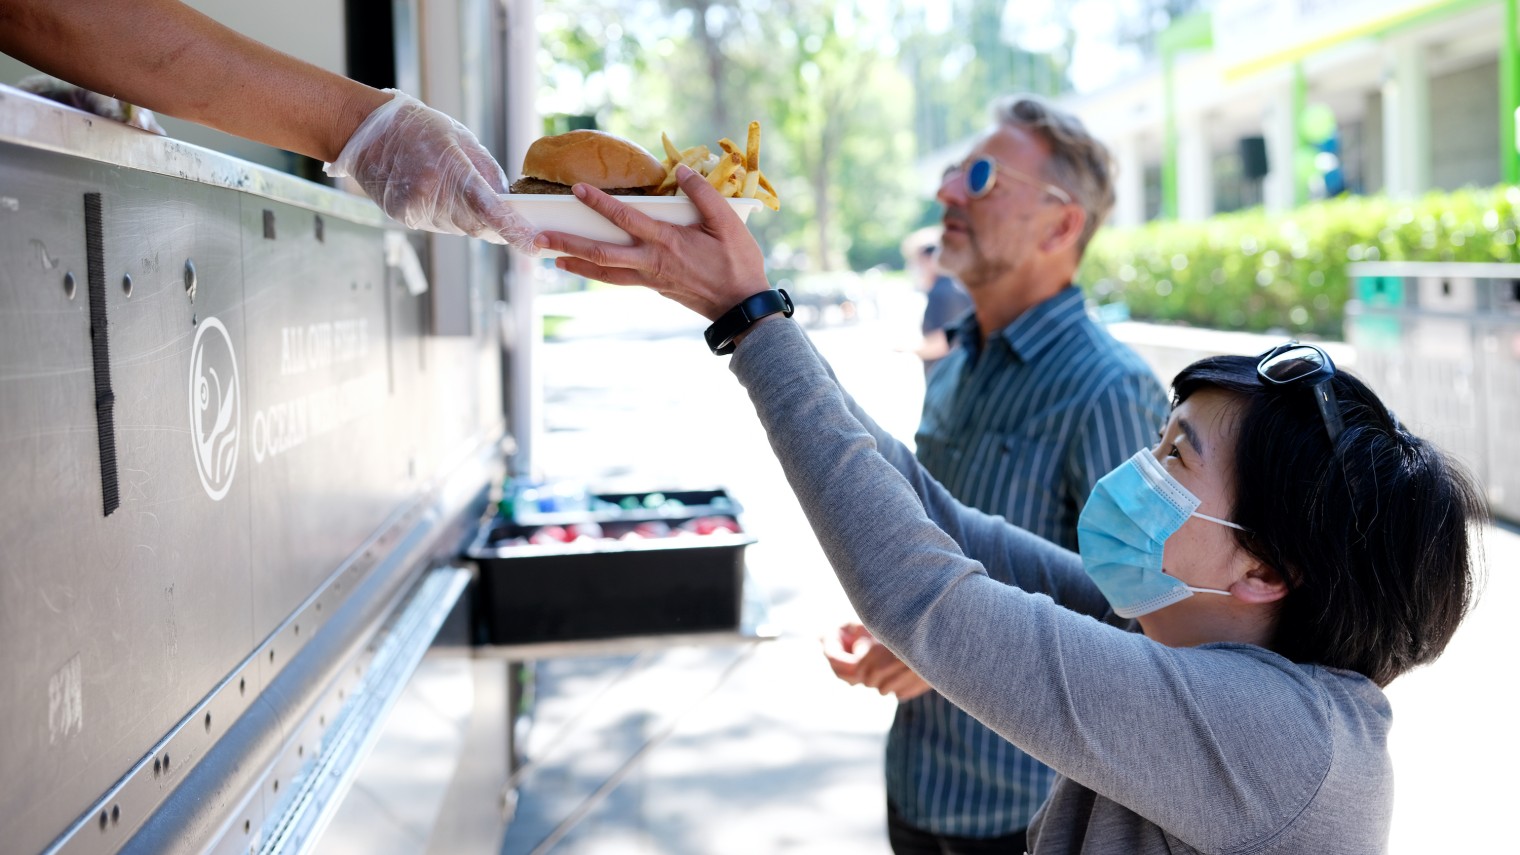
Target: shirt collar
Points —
{"points": [[1033, 332]]}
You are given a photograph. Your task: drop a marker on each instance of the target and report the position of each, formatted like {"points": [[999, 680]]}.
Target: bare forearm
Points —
{"points": [[165, 56]]}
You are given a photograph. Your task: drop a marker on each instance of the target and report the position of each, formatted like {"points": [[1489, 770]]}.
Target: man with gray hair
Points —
{"points": [[1034, 403]]}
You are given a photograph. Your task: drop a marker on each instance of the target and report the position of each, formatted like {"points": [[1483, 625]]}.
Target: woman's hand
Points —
{"points": [[708, 267], [429, 172], [856, 657]]}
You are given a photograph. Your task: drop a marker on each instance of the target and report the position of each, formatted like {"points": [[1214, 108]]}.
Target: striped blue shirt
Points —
{"points": [[1021, 427]]}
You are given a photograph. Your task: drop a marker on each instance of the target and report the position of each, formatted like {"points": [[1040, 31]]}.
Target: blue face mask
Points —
{"points": [[1123, 528]]}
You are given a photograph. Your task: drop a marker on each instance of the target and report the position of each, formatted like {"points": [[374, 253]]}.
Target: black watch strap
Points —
{"points": [[720, 336]]}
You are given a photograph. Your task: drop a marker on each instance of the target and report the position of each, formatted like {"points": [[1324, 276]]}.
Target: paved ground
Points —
{"points": [[755, 748]]}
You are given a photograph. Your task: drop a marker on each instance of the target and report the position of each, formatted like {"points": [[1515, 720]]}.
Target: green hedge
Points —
{"points": [[1250, 270]]}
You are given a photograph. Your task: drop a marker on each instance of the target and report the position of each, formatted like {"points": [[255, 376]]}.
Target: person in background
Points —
{"points": [[946, 299], [1033, 404], [423, 168], [1208, 674]]}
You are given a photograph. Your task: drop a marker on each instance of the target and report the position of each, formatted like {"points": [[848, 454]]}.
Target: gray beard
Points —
{"points": [[981, 269]]}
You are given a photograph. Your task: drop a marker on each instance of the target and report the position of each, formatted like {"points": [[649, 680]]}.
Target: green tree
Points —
{"points": [[959, 71], [848, 93]]}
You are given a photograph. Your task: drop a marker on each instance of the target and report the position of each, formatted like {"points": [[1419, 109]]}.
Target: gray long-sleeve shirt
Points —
{"points": [[1224, 748]]}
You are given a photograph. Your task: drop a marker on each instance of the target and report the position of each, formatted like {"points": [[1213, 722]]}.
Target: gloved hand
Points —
{"points": [[429, 172]]}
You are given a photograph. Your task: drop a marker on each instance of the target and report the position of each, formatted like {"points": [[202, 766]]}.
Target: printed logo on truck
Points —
{"points": [[215, 407]]}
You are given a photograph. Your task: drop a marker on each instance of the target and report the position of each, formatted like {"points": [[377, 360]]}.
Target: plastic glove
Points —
{"points": [[429, 172]]}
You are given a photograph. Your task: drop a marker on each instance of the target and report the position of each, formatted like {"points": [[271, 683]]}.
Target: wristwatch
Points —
{"points": [[720, 336]]}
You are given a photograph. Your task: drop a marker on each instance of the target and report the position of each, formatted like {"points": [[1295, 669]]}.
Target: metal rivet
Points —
{"points": [[317, 229], [70, 286], [158, 766], [242, 686], [271, 656], [115, 814], [208, 722], [300, 751], [126, 284], [277, 785], [103, 820], [190, 279], [298, 629], [247, 826], [166, 761]]}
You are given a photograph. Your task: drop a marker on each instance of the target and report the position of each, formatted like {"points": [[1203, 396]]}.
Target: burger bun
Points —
{"points": [[600, 159]]}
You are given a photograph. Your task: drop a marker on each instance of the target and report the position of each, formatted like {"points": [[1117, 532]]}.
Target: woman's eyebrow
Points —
{"points": [[1192, 436]]}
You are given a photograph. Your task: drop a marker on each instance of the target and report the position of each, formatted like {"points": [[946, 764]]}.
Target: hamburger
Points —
{"points": [[609, 163]]}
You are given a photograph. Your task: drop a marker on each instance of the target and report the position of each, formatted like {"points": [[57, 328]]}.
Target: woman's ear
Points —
{"points": [[1261, 584], [1065, 232]]}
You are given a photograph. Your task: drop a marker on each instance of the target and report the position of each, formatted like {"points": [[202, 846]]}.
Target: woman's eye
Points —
{"points": [[1174, 452]]}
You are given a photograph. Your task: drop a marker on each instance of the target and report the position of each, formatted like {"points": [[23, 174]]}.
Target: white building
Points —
{"points": [[1417, 88]]}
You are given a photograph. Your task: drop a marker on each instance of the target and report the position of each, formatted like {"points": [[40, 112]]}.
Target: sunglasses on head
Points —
{"points": [[980, 174], [1295, 364]]}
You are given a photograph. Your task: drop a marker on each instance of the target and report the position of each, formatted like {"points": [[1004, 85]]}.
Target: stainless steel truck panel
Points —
{"points": [[231, 453]]}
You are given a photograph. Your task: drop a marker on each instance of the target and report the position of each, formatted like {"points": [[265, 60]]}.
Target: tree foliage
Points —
{"points": [[958, 70], [850, 94]]}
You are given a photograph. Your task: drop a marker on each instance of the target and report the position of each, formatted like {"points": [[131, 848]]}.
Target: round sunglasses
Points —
{"points": [[980, 174]]}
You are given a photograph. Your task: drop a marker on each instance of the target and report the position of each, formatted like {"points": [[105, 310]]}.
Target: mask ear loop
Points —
{"points": [[1228, 524], [1208, 591], [1235, 526]]}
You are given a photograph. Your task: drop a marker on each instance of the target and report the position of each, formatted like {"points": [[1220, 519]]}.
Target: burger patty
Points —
{"points": [[540, 187]]}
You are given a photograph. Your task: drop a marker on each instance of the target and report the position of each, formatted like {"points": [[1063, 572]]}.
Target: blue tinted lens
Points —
{"points": [[979, 174]]}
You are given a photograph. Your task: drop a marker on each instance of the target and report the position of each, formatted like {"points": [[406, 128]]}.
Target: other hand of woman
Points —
{"points": [[708, 267], [845, 649], [429, 172]]}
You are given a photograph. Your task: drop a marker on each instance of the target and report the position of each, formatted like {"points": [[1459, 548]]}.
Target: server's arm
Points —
{"points": [[422, 167]]}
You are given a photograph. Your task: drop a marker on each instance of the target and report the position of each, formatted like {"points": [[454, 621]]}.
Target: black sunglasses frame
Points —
{"points": [[1318, 381]]}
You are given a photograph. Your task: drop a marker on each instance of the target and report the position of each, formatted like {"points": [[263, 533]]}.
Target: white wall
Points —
{"points": [[1456, 136], [1464, 118]]}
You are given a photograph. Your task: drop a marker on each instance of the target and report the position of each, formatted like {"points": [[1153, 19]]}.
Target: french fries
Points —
{"points": [[733, 173]]}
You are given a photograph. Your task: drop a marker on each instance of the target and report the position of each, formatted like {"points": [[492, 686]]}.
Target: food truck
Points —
{"points": [[254, 435]]}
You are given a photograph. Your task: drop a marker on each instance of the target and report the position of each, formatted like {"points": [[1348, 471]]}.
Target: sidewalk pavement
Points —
{"points": [[756, 748]]}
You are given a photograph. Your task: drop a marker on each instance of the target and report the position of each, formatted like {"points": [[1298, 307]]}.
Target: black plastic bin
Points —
{"points": [[609, 587]]}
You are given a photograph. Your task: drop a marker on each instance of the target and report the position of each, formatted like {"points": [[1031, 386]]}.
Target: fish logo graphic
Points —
{"points": [[215, 407]]}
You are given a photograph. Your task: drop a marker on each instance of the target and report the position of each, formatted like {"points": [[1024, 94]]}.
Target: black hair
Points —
{"points": [[1371, 535]]}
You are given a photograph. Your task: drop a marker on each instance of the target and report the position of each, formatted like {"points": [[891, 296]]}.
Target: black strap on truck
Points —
{"points": [[105, 399]]}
